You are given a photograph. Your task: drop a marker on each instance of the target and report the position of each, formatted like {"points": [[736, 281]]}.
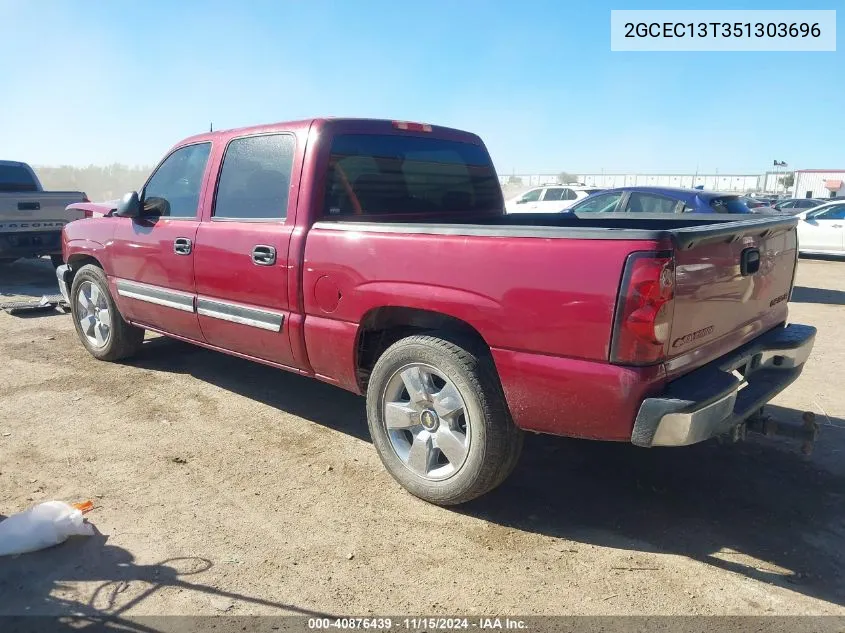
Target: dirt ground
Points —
{"points": [[223, 486]]}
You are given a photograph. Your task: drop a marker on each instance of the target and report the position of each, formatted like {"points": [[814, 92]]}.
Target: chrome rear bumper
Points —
{"points": [[713, 399]]}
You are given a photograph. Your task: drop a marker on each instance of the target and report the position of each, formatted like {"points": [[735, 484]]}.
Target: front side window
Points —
{"points": [[650, 203], [531, 196], [174, 189], [598, 203], [255, 178], [835, 213]]}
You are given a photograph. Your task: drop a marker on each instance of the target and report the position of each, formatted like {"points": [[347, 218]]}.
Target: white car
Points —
{"points": [[548, 199], [821, 231]]}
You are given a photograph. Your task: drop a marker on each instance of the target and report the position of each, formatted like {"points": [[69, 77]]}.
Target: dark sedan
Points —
{"points": [[660, 200], [793, 206]]}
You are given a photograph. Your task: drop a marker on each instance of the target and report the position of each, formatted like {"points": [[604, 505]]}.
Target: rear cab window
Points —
{"points": [[728, 204], [381, 174], [16, 178]]}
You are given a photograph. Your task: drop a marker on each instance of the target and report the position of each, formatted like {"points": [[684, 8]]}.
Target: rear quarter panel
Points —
{"points": [[544, 306]]}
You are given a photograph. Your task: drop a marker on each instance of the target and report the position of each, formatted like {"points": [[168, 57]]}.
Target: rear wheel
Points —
{"points": [[99, 324], [439, 421]]}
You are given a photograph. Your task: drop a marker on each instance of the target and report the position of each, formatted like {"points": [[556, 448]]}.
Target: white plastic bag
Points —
{"points": [[44, 525]]}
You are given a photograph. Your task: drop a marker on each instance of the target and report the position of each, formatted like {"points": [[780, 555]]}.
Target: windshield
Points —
{"points": [[397, 174], [16, 178]]}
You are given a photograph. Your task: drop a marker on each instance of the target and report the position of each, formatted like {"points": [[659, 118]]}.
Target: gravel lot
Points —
{"points": [[226, 486]]}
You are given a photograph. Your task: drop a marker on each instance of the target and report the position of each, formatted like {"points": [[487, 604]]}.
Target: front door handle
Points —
{"points": [[263, 255], [182, 246]]}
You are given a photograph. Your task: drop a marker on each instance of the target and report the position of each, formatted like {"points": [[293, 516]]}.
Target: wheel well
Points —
{"points": [[78, 261], [382, 327]]}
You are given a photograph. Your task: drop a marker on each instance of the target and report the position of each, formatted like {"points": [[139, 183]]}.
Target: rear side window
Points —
{"points": [[650, 203], [16, 178], [397, 174], [728, 204], [255, 178], [555, 193]]}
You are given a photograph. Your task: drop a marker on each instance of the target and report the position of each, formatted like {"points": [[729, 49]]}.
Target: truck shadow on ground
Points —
{"points": [[39, 583], [758, 508], [803, 294]]}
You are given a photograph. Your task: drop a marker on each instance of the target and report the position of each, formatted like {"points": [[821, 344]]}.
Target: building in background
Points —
{"points": [[739, 183], [819, 183], [775, 182]]}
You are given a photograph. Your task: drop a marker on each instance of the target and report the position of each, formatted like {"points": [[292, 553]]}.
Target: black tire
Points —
{"points": [[496, 442], [123, 339], [8, 260], [56, 260]]}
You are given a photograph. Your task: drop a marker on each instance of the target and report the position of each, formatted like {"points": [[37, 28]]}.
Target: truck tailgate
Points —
{"points": [[37, 210], [729, 288]]}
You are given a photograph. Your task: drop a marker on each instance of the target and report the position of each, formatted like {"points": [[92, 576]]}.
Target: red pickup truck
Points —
{"points": [[377, 256]]}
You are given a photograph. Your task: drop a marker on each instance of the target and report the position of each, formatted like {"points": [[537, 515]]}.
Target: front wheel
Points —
{"points": [[99, 324], [439, 421]]}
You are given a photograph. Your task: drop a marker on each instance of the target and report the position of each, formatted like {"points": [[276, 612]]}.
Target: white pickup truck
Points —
{"points": [[31, 219]]}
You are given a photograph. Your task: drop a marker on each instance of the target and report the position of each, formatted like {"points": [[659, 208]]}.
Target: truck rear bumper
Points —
{"points": [[29, 244], [724, 393]]}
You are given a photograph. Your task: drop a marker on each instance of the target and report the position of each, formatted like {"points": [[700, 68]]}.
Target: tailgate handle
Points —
{"points": [[749, 262], [29, 206]]}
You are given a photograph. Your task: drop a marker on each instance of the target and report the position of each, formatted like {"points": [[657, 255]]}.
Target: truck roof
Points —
{"points": [[363, 124]]}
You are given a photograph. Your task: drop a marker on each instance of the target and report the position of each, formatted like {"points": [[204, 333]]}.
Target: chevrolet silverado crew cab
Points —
{"points": [[31, 219], [377, 256]]}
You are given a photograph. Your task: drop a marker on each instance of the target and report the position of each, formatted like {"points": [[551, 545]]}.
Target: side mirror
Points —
{"points": [[130, 206]]}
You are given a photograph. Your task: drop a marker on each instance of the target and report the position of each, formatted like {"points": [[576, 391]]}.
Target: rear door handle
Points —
{"points": [[263, 255], [182, 246]]}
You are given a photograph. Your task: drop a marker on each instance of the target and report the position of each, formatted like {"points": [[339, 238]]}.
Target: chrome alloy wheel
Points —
{"points": [[92, 312], [427, 421]]}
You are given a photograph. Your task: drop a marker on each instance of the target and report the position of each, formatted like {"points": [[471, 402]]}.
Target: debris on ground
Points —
{"points": [[42, 526], [46, 302]]}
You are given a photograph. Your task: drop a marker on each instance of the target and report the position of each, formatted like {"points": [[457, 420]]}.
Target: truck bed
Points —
{"points": [[683, 230]]}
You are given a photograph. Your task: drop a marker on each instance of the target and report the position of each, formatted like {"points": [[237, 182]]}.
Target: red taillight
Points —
{"points": [[644, 310], [412, 127], [87, 213]]}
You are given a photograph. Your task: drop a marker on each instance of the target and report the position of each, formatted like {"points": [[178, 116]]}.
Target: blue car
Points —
{"points": [[660, 200]]}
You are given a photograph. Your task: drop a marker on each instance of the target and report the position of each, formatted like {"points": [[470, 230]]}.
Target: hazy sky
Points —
{"points": [[91, 81]]}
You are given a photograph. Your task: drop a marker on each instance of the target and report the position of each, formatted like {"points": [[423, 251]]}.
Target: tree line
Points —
{"points": [[101, 183]]}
